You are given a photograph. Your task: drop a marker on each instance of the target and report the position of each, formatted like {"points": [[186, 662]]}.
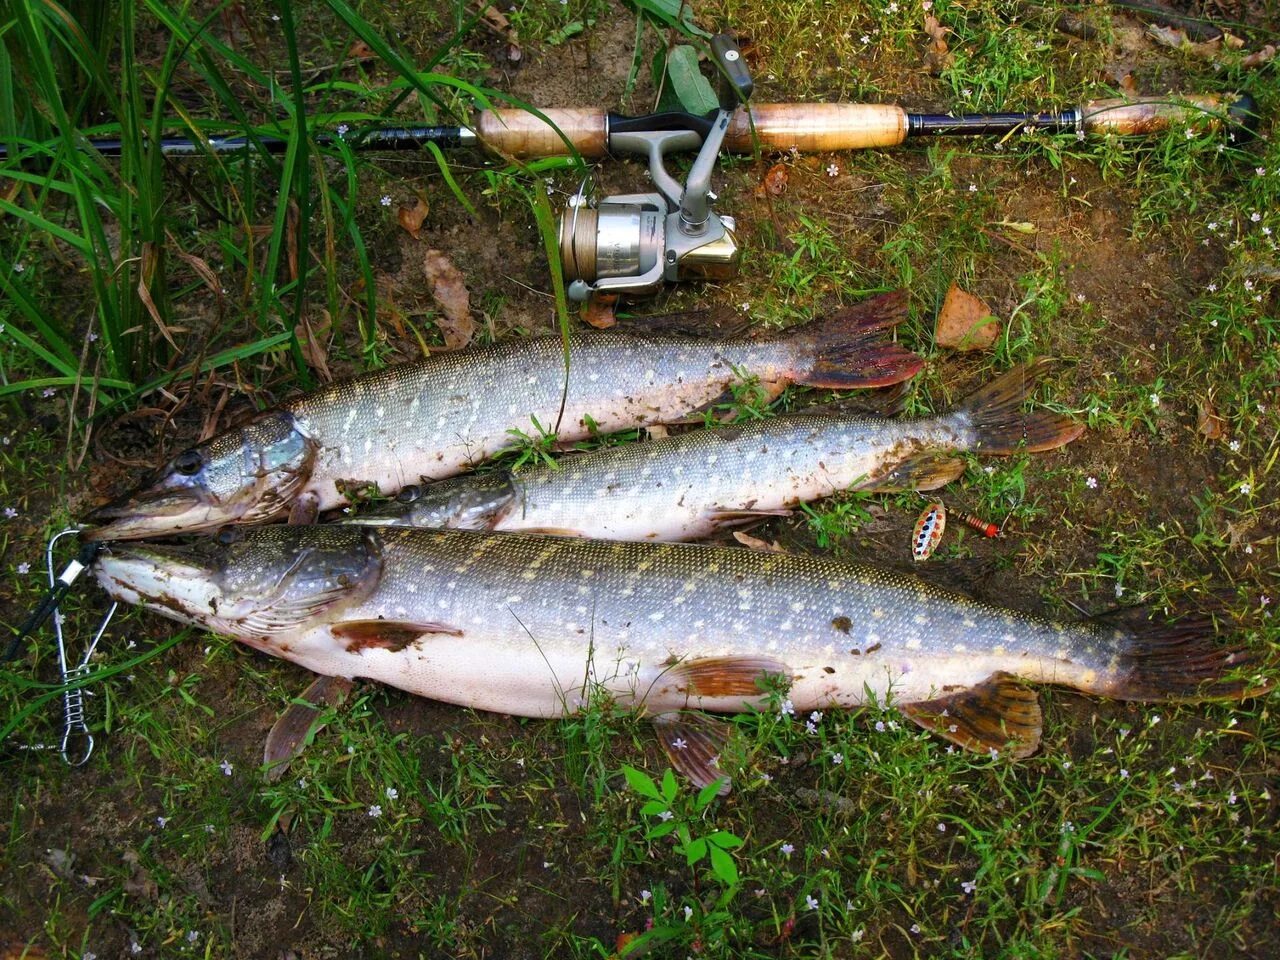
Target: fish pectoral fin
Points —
{"points": [[393, 635], [693, 743], [723, 676], [998, 714], [300, 722], [924, 471], [304, 510], [722, 517]]}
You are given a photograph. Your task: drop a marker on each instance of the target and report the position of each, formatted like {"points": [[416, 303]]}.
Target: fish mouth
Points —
{"points": [[156, 511], [173, 580]]}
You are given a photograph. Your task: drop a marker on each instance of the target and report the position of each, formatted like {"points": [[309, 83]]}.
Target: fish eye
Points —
{"points": [[229, 534], [409, 493], [188, 463]]}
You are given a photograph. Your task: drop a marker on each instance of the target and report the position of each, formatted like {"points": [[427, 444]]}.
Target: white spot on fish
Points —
{"points": [[514, 598], [797, 607], [968, 622], [875, 638], [913, 643], [920, 618], [1009, 638], [877, 613], [380, 412], [959, 648], [655, 617]]}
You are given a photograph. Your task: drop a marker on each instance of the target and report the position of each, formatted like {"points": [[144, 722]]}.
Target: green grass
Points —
{"points": [[416, 829]]}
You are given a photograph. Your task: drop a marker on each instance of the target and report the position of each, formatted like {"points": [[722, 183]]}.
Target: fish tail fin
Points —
{"points": [[851, 349], [995, 413], [1181, 660]]}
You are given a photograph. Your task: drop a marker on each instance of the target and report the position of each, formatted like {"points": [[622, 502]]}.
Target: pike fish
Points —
{"points": [[537, 626], [686, 486], [443, 415]]}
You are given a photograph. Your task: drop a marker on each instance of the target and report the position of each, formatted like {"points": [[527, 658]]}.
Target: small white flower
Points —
{"points": [[811, 902], [968, 886], [787, 849], [665, 815], [1246, 488], [226, 768], [1212, 288], [1255, 217], [858, 934], [24, 568], [48, 392], [1234, 446], [392, 793], [915, 928], [880, 728], [788, 709], [1155, 399], [19, 267], [744, 307], [833, 170], [342, 129], [837, 758], [93, 337], [679, 743], [386, 200], [973, 188], [1091, 483], [688, 912], [1190, 133], [162, 822], [375, 811], [1124, 774], [645, 896], [1119, 591], [865, 39], [193, 936], [10, 512], [1260, 171], [135, 947], [942, 828]]}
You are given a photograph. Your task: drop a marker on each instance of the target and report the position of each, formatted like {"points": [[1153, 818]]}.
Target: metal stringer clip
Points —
{"points": [[76, 738]]}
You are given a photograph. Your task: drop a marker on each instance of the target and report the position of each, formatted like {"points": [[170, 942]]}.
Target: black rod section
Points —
{"points": [[966, 125], [382, 138]]}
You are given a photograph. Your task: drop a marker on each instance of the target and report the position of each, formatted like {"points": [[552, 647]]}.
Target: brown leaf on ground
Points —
{"points": [[775, 181], [361, 51], [965, 322], [755, 543], [657, 431], [1259, 57], [937, 55], [411, 218], [313, 341], [450, 293], [598, 311], [9, 950], [1208, 422]]}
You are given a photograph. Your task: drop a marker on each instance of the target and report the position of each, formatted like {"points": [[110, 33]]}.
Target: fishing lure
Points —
{"points": [[984, 527], [928, 531]]}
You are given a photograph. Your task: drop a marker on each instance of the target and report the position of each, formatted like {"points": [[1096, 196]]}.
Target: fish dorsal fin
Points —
{"points": [[693, 743], [998, 714], [393, 635], [723, 676], [301, 720], [923, 471]]}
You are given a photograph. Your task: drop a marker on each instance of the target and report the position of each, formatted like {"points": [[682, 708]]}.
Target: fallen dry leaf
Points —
{"points": [[450, 292], [20, 951], [598, 311], [657, 431], [1259, 57], [755, 543], [1209, 423], [965, 322], [313, 341], [411, 217], [775, 181], [936, 56]]}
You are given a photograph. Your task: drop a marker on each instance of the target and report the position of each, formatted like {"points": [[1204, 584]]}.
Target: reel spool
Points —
{"points": [[630, 244]]}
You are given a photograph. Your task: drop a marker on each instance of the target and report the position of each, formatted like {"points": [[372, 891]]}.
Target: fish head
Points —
{"points": [[241, 476], [463, 503], [247, 583]]}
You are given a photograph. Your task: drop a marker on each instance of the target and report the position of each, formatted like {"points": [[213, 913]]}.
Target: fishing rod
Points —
{"points": [[632, 244]]}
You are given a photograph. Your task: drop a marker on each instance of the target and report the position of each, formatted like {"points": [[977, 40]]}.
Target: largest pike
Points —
{"points": [[535, 626], [440, 416]]}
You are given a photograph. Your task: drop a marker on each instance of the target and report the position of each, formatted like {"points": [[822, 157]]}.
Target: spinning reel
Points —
{"points": [[630, 244]]}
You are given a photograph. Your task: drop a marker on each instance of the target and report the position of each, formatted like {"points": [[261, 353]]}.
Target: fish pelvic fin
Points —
{"points": [[300, 722], [923, 471], [392, 635], [693, 743], [1179, 661], [994, 412], [853, 349], [998, 714], [723, 676]]}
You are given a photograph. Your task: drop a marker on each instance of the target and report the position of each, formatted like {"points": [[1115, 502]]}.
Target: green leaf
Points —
{"points": [[673, 13], [722, 866], [691, 88], [641, 782], [669, 785], [725, 840], [708, 793], [696, 851], [654, 807], [661, 830]]}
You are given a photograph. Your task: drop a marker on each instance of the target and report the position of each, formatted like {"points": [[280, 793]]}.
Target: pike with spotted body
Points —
{"points": [[535, 626], [443, 415], [686, 486]]}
